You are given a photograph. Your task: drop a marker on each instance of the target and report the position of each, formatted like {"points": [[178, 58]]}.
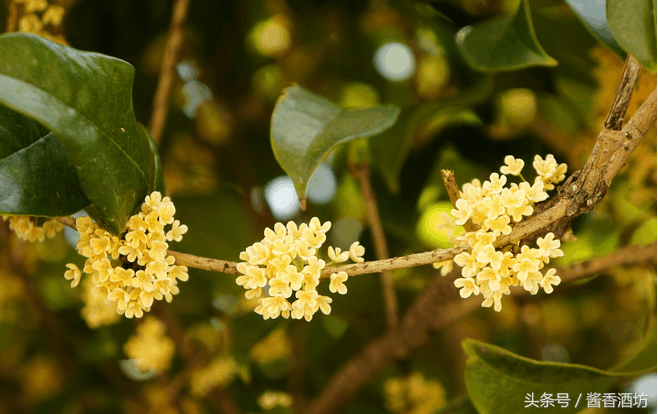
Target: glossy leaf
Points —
{"points": [[503, 43], [152, 158], [85, 99], [592, 14], [499, 381], [633, 24], [36, 176], [305, 127]]}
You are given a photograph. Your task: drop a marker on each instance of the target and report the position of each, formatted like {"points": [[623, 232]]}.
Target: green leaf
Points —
{"points": [[153, 162], [645, 356], [592, 14], [36, 176], [499, 381], [633, 25], [462, 406], [85, 99], [503, 43], [305, 127]]}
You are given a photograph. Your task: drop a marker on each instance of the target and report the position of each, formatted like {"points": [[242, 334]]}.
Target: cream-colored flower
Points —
{"points": [[495, 184], [445, 267], [513, 166], [177, 231], [73, 274], [494, 206], [518, 212], [462, 213], [549, 248], [498, 225], [534, 193], [356, 252], [490, 277], [490, 256], [317, 228], [549, 280], [468, 263], [467, 287], [322, 303], [336, 256], [524, 267], [337, 283]]}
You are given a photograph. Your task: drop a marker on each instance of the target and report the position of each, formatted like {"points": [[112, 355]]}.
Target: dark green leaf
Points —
{"points": [[153, 162], [85, 99], [36, 175], [503, 43], [305, 127], [632, 22], [592, 14], [499, 381], [390, 149]]}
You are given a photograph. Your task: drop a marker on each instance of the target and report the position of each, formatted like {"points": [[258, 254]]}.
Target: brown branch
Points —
{"points": [[362, 174], [619, 106], [578, 195], [168, 70]]}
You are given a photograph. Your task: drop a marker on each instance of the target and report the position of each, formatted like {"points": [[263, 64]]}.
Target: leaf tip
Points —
{"points": [[302, 203]]}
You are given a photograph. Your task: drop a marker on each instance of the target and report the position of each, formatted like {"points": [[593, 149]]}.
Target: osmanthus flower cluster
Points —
{"points": [[150, 348], [132, 270], [492, 209], [414, 395], [28, 229], [218, 373], [285, 263], [272, 399]]}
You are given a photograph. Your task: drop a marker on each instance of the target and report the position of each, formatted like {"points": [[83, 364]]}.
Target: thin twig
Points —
{"points": [[362, 174], [168, 70], [450, 183]]}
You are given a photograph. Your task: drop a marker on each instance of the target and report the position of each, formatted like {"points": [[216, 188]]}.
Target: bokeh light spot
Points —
{"points": [[281, 197], [395, 61]]}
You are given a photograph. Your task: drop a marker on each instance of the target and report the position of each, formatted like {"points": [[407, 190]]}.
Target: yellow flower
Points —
{"points": [[73, 274], [463, 212], [271, 399], [467, 287], [336, 256], [356, 252], [445, 267], [549, 247], [337, 283], [550, 279], [495, 184], [513, 166], [468, 263]]}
